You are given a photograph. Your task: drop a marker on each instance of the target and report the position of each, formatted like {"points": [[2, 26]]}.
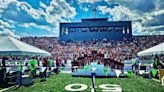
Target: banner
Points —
{"points": [[154, 72], [130, 73], [106, 71], [118, 72], [86, 68]]}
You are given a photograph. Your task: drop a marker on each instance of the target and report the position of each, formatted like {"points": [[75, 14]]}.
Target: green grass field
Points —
{"points": [[56, 83]]}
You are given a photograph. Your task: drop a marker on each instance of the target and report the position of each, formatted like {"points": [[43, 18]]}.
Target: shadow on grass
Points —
{"points": [[5, 85], [42, 80], [16, 88]]}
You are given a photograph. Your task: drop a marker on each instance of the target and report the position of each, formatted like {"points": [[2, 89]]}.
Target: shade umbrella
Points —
{"points": [[155, 50], [12, 46]]}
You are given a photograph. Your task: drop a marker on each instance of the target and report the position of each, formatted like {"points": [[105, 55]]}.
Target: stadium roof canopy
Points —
{"points": [[11, 46], [155, 50]]}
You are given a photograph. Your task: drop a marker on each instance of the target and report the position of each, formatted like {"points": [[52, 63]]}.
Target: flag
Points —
{"points": [[19, 68], [62, 68], [86, 68], [154, 72], [130, 73], [133, 61], [118, 72], [106, 71]]}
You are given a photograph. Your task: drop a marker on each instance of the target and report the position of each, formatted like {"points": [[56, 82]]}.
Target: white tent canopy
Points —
{"points": [[155, 50], [12, 46]]}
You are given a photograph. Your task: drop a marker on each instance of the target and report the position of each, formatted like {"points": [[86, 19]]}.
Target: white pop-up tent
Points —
{"points": [[155, 50], [12, 46]]}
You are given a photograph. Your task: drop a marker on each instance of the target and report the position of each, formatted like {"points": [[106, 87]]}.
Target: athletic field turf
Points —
{"points": [[56, 83]]}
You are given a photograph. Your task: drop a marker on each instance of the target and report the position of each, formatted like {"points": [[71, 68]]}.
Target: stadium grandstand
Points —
{"points": [[118, 50], [95, 28]]}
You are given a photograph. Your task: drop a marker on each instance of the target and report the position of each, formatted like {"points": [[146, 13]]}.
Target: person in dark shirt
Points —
{"points": [[4, 68], [45, 64], [156, 62], [3, 62], [57, 62]]}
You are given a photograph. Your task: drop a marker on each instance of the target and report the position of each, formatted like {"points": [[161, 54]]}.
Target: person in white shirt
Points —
{"points": [[106, 58], [106, 55], [26, 61], [0, 62]]}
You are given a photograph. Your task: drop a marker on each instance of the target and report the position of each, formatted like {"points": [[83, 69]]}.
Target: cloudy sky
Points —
{"points": [[42, 17]]}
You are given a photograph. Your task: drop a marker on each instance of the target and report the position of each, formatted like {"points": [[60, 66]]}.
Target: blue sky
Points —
{"points": [[42, 17]]}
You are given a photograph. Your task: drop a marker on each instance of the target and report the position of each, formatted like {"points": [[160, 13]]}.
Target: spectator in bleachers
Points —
{"points": [[119, 50]]}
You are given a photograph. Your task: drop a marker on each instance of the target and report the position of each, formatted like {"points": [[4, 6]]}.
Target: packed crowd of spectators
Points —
{"points": [[145, 42], [46, 43], [108, 52], [89, 51]]}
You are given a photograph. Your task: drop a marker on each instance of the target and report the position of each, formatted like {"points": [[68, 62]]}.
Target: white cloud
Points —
{"points": [[84, 8], [5, 29], [153, 27], [4, 3], [24, 34], [103, 9], [156, 12], [42, 5], [81, 4], [121, 13], [137, 26], [87, 1], [6, 24], [84, 1], [61, 11], [28, 25], [150, 16], [132, 10], [58, 11], [9, 32], [118, 12], [42, 27], [53, 30], [35, 13]]}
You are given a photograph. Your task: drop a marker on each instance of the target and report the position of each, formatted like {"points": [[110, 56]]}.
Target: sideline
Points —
{"points": [[5, 89], [156, 80]]}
